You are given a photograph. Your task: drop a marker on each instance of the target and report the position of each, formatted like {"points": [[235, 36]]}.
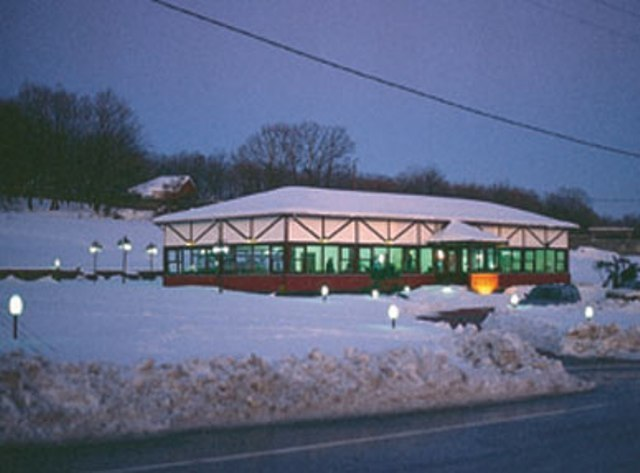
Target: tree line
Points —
{"points": [[63, 146]]}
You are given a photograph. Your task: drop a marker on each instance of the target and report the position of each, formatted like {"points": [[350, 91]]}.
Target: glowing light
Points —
{"points": [[589, 313], [57, 263], [95, 248], [381, 258], [324, 292], [447, 290], [125, 244], [393, 312], [151, 249], [514, 300], [16, 305], [484, 283], [440, 254], [406, 290], [375, 294]]}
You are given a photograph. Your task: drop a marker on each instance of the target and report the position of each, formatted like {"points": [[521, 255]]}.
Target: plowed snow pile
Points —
{"points": [[602, 341], [44, 400]]}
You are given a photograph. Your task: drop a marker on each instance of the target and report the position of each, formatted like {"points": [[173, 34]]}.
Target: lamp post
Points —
{"points": [[393, 312], [220, 250], [16, 307], [125, 245], [152, 251], [95, 249]]}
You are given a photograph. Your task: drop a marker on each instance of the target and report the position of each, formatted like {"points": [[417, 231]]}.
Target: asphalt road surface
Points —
{"points": [[598, 431]]}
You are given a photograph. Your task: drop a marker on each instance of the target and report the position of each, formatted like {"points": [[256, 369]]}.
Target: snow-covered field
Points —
{"points": [[108, 358]]}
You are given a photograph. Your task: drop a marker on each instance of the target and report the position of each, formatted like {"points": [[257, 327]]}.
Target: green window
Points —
{"points": [[330, 259], [277, 259], [313, 259], [395, 258], [346, 259], [297, 259], [477, 259], [491, 263], [379, 257], [243, 259], [172, 259], [516, 261], [540, 261], [561, 261], [410, 262], [528, 261], [261, 257], [364, 260], [426, 260], [506, 260], [550, 261]]}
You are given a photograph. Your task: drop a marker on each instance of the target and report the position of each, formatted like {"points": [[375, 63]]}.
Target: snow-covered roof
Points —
{"points": [[345, 203], [160, 186], [457, 231]]}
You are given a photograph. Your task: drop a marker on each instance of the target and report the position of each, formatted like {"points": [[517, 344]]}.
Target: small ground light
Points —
{"points": [[324, 292], [393, 312], [589, 312], [375, 294], [406, 289], [16, 307], [514, 300], [56, 264]]}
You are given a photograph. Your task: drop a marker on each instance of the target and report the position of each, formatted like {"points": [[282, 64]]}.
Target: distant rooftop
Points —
{"points": [[346, 203], [160, 186]]}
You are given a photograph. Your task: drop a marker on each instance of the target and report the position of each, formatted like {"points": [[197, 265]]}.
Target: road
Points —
{"points": [[598, 431]]}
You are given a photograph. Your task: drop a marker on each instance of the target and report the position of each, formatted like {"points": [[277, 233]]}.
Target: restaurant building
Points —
{"points": [[297, 239]]}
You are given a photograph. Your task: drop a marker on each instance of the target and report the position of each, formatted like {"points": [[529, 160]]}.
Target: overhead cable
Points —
{"points": [[396, 85]]}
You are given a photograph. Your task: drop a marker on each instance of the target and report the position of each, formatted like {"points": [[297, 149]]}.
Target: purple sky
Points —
{"points": [[198, 88]]}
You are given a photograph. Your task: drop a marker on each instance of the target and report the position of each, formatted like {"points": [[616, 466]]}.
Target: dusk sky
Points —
{"points": [[570, 66]]}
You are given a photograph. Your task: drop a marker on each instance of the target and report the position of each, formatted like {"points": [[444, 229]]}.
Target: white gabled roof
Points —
{"points": [[160, 185], [345, 203], [457, 231]]}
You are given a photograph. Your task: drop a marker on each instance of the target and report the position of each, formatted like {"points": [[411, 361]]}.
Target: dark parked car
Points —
{"points": [[552, 294]]}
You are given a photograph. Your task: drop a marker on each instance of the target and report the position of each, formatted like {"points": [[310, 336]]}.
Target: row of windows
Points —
{"points": [[334, 259], [237, 259]]}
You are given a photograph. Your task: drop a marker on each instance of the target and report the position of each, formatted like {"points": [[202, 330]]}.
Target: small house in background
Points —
{"points": [[167, 189]]}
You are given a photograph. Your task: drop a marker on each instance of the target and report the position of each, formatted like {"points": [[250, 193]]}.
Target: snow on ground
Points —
{"points": [[107, 358], [36, 239]]}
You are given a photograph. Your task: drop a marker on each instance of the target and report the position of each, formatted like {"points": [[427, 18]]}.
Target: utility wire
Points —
{"points": [[584, 21], [617, 8], [396, 85]]}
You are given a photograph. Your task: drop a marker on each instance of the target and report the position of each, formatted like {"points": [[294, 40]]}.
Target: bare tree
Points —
{"points": [[283, 154]]}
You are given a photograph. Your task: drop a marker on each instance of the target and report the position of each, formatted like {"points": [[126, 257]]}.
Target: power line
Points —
{"points": [[396, 85], [584, 21], [617, 8]]}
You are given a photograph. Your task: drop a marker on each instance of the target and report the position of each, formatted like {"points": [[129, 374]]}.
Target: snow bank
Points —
{"points": [[602, 341], [42, 400]]}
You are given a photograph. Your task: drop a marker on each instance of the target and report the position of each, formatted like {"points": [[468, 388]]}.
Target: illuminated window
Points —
{"points": [[426, 260], [364, 260], [540, 261], [330, 264], [561, 261], [346, 259], [528, 261]]}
